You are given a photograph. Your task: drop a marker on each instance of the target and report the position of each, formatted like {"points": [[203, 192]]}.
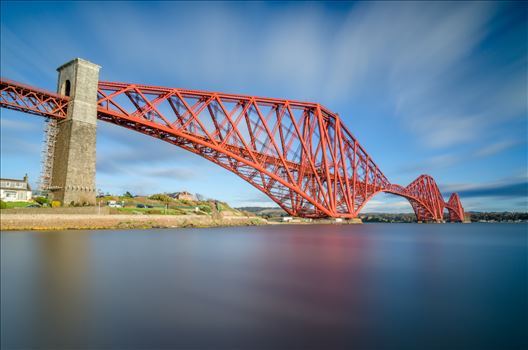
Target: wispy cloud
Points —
{"points": [[418, 54], [447, 160], [139, 156], [257, 199], [173, 173], [450, 77], [143, 163], [12, 126], [132, 154], [12, 145], [496, 204], [508, 194], [519, 190], [430, 164], [14, 140], [495, 148], [387, 206], [513, 188], [17, 49], [502, 195]]}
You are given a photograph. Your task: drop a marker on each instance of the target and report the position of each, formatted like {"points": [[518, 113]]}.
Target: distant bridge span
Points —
{"points": [[298, 153]]}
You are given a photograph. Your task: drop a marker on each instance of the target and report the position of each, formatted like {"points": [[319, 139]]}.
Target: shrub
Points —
{"points": [[160, 197], [221, 206], [55, 204], [3, 205], [205, 208], [41, 200]]}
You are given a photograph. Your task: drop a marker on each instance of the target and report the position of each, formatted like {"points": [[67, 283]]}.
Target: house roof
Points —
{"points": [[23, 181], [15, 180]]}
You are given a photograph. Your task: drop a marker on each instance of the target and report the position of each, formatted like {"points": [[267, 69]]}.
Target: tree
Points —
{"points": [[128, 195]]}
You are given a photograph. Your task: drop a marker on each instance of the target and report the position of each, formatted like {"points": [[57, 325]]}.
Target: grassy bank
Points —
{"points": [[157, 211], [12, 205]]}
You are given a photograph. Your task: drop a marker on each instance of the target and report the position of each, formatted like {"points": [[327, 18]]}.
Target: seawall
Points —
{"points": [[13, 221]]}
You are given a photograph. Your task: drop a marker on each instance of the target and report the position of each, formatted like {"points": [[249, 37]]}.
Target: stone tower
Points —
{"points": [[73, 174]]}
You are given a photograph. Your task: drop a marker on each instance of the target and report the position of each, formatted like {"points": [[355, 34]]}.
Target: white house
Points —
{"points": [[12, 190]]}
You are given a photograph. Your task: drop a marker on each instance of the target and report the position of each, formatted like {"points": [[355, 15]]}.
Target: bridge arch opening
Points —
{"points": [[447, 214], [388, 203], [451, 215]]}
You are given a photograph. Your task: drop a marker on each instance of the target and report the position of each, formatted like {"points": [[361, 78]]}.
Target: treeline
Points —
{"points": [[386, 217], [498, 216], [474, 216], [403, 217]]}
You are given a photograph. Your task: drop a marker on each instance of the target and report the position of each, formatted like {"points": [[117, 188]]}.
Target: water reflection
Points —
{"points": [[367, 286]]}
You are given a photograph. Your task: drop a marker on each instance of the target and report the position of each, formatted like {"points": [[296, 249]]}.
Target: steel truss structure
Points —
{"points": [[298, 153]]}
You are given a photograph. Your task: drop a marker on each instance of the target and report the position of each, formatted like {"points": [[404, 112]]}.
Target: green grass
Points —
{"points": [[152, 211], [176, 207], [17, 204]]}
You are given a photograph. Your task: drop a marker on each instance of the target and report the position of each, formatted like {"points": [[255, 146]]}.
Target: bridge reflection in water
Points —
{"points": [[371, 286]]}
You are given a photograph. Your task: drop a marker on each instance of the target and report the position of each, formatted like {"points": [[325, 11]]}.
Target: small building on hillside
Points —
{"points": [[186, 196], [13, 190]]}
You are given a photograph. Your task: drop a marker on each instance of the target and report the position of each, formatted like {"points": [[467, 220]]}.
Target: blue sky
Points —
{"points": [[436, 88]]}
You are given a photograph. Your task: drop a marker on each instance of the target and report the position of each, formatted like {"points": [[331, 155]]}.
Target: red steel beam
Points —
{"points": [[298, 153]]}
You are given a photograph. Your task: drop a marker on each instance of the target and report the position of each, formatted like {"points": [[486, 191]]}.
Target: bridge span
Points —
{"points": [[299, 154]]}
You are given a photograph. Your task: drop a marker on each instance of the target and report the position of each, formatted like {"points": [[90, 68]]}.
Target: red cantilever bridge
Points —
{"points": [[298, 153]]}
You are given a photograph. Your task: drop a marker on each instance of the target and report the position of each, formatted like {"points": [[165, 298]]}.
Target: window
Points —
{"points": [[67, 88], [10, 194]]}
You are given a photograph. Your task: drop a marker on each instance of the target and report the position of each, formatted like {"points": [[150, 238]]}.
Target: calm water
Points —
{"points": [[299, 287]]}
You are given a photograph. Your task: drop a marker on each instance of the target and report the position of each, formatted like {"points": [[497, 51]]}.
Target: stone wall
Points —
{"points": [[64, 210]]}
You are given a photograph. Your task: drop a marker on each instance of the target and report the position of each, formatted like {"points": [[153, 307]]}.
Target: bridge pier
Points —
{"points": [[73, 174]]}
